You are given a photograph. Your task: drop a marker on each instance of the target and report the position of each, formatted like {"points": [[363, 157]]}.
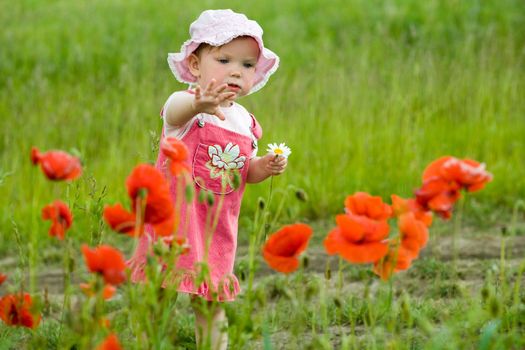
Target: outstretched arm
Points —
{"points": [[182, 107], [263, 167]]}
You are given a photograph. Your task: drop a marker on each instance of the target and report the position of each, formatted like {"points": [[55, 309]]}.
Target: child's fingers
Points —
{"points": [[198, 92], [210, 86], [276, 170], [221, 88], [219, 114], [277, 160], [224, 96]]}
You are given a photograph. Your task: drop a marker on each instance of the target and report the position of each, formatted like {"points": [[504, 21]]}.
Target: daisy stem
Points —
{"points": [[266, 209]]}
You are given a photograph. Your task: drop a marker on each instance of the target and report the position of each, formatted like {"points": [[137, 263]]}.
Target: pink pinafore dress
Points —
{"points": [[212, 149]]}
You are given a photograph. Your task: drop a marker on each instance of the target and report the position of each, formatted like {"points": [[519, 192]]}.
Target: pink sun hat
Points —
{"points": [[216, 28]]}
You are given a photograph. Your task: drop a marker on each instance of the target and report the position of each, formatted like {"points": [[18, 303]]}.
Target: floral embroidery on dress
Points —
{"points": [[225, 164]]}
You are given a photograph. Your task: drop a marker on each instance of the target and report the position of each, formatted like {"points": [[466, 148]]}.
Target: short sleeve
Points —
{"points": [[170, 130]]}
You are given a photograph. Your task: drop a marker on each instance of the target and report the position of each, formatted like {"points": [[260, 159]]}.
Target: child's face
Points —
{"points": [[232, 64]]}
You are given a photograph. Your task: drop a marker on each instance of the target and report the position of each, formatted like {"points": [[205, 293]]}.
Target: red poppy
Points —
{"points": [[414, 234], [119, 219], [401, 206], [439, 195], [107, 261], [107, 293], [57, 165], [177, 153], [61, 218], [362, 203], [283, 247], [468, 173], [2, 278], [158, 208], [394, 261], [110, 343], [358, 239], [16, 310], [146, 177]]}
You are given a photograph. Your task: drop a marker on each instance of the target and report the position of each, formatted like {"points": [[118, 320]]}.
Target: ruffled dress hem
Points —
{"points": [[225, 290]]}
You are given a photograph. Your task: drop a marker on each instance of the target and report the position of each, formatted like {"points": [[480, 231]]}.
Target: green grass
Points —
{"points": [[367, 94]]}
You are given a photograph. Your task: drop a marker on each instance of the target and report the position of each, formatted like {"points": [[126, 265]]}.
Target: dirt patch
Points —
{"points": [[475, 254]]}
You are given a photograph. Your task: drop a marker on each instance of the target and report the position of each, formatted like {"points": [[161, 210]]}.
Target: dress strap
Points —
{"points": [[256, 127]]}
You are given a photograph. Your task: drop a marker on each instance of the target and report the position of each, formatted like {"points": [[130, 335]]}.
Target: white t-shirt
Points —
{"points": [[237, 119]]}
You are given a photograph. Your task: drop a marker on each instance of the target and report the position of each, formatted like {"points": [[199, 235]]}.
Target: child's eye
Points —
{"points": [[223, 60], [248, 65]]}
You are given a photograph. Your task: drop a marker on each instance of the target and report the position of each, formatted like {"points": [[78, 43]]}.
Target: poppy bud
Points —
{"points": [[71, 264], [236, 179], [327, 271], [485, 293], [337, 302], [405, 309], [160, 249], [366, 291], [210, 198], [47, 305], [301, 195], [305, 262], [189, 192], [495, 307], [202, 196]]}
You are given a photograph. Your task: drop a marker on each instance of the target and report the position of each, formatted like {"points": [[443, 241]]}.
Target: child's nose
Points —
{"points": [[235, 73]]}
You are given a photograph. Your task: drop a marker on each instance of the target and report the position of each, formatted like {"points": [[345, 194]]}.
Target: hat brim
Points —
{"points": [[267, 63]]}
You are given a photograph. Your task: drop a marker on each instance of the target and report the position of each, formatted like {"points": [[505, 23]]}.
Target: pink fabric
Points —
{"points": [[203, 143], [219, 27]]}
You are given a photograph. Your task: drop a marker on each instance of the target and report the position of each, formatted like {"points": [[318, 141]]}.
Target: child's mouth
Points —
{"points": [[234, 87]]}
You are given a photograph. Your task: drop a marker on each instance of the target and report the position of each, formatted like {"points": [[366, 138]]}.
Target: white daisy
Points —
{"points": [[279, 150]]}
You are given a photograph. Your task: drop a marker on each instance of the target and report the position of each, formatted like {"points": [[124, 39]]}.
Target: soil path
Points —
{"points": [[474, 253]]}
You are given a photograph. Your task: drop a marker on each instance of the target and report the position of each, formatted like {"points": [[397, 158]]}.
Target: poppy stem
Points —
{"points": [[178, 202], [188, 182], [340, 277], [67, 281], [455, 233]]}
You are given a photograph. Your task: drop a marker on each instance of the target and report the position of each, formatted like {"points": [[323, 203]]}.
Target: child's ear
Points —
{"points": [[193, 65]]}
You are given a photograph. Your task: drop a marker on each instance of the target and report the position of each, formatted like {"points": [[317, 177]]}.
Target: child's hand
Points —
{"points": [[275, 164], [209, 100]]}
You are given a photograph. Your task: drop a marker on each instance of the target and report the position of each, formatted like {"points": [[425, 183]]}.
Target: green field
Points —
{"points": [[367, 94]]}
